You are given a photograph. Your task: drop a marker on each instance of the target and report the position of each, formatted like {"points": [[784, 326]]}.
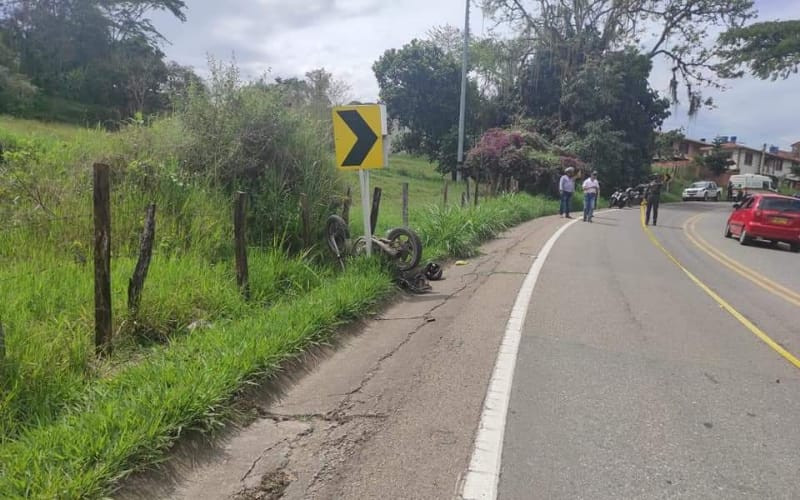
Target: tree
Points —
{"points": [[128, 18], [140, 74], [605, 113], [769, 50], [577, 30], [495, 65], [666, 142], [98, 54], [325, 90], [179, 83], [717, 160], [317, 92], [15, 89], [420, 85]]}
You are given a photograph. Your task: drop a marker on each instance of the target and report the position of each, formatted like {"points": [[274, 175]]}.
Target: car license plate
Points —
{"points": [[780, 221]]}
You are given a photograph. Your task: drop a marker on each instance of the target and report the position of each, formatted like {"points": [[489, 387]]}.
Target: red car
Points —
{"points": [[768, 217]]}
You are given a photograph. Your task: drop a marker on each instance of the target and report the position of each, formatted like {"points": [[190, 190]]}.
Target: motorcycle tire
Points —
{"points": [[409, 247], [337, 234]]}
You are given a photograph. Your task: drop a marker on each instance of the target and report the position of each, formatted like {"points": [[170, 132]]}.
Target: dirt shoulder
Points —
{"points": [[391, 412]]}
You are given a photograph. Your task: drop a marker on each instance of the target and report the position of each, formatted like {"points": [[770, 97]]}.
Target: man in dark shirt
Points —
{"points": [[653, 196]]}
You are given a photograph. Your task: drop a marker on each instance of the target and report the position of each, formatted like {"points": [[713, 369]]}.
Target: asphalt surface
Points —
{"points": [[632, 382]]}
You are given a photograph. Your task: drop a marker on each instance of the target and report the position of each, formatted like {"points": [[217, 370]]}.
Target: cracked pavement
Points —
{"points": [[392, 411]]}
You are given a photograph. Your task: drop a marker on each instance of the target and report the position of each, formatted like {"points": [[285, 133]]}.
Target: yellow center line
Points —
{"points": [[767, 284], [719, 300]]}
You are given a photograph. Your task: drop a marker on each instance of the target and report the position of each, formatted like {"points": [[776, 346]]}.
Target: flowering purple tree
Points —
{"points": [[503, 154]]}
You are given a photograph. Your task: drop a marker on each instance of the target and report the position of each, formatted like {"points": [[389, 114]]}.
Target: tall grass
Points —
{"points": [[129, 420], [48, 319], [455, 232]]}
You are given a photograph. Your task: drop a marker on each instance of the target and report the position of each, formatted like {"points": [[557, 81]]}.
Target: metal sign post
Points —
{"points": [[363, 176]]}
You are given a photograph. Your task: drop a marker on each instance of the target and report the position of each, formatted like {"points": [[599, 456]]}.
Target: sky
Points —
{"points": [[285, 38]]}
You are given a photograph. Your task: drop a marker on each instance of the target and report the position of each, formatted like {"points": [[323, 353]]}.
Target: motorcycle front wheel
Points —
{"points": [[408, 246]]}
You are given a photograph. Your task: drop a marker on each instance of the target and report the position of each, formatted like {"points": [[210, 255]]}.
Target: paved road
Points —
{"points": [[632, 382]]}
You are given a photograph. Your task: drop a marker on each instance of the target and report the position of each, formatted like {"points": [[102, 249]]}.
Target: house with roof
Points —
{"points": [[770, 161]]}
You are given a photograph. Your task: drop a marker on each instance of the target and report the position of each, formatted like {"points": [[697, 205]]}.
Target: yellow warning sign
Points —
{"points": [[358, 132]]}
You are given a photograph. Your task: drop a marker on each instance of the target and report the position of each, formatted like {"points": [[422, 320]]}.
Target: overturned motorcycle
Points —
{"points": [[402, 247]]}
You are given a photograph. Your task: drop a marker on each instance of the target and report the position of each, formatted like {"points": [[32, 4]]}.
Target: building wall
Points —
{"points": [[741, 161], [694, 150]]}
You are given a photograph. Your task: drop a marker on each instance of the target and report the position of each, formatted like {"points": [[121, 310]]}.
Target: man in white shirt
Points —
{"points": [[591, 190]]}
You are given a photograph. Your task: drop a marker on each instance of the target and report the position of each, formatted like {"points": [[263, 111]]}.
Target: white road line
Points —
{"points": [[482, 477]]}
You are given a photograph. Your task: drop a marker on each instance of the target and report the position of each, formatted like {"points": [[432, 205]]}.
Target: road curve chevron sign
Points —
{"points": [[358, 132]]}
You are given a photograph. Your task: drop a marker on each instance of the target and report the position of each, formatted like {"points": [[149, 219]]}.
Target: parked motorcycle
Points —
{"points": [[635, 196], [618, 199]]}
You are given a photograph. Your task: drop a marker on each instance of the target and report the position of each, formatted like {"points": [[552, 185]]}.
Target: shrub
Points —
{"points": [[243, 136], [505, 153]]}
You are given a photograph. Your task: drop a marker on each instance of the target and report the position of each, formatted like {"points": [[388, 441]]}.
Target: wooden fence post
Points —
{"points": [[376, 206], [477, 184], [405, 204], [136, 283], [240, 242], [102, 258], [305, 219], [348, 200], [445, 189]]}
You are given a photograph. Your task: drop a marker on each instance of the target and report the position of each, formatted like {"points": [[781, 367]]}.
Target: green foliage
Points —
{"points": [[242, 136], [101, 57], [16, 90], [420, 84], [454, 232], [666, 142], [605, 115], [768, 49], [45, 206], [317, 93], [610, 103], [503, 154], [130, 419]]}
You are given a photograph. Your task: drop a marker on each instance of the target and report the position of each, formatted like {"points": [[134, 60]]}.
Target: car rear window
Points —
{"points": [[780, 204]]}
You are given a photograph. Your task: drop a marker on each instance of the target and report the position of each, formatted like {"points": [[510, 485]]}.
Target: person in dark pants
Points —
{"points": [[591, 190], [566, 186], [653, 197], [730, 191]]}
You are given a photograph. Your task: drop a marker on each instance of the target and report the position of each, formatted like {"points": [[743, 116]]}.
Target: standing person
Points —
{"points": [[730, 190], [566, 186], [591, 191], [653, 196]]}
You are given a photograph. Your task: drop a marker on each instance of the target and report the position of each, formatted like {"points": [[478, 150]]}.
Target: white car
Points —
{"points": [[703, 190]]}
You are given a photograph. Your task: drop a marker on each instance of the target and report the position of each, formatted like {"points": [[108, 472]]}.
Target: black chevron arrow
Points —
{"points": [[365, 138]]}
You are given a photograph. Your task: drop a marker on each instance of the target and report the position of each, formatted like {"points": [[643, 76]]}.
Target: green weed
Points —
{"points": [[128, 421]]}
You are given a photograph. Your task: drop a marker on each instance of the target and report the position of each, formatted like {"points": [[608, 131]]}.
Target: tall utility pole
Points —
{"points": [[463, 110]]}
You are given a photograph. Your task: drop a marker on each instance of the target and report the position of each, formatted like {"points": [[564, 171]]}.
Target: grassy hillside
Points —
{"points": [[71, 423]]}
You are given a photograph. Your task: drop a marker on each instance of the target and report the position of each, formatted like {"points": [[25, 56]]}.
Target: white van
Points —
{"points": [[746, 183]]}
